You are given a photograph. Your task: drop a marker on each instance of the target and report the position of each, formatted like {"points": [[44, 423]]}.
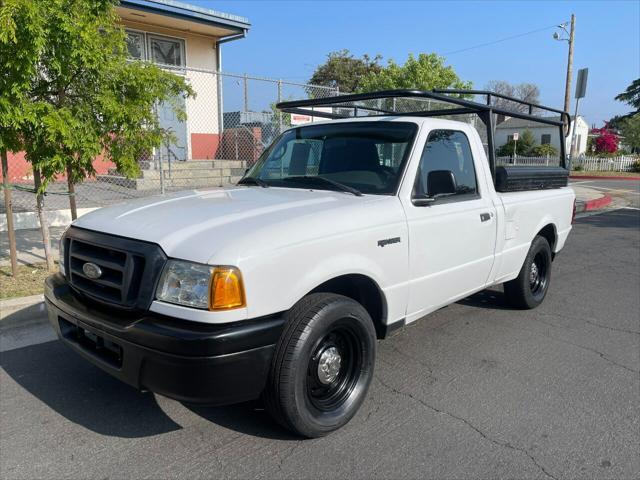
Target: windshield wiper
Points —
{"points": [[340, 186], [253, 181]]}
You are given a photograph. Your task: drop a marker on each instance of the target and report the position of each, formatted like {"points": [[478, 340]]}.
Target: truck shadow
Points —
{"points": [[82, 393], [493, 299], [89, 397], [249, 418]]}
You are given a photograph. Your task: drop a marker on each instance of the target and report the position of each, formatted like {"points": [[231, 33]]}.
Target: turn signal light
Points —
{"points": [[227, 289]]}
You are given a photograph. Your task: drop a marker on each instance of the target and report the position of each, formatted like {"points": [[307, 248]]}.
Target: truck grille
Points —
{"points": [[127, 270]]}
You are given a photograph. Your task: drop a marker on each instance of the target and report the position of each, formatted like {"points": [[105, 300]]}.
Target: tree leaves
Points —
{"points": [[344, 71], [424, 72], [69, 93]]}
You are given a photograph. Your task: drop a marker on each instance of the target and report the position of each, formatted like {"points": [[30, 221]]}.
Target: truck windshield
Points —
{"points": [[355, 157]]}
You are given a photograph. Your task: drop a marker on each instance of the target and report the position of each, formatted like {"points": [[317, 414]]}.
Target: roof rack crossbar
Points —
{"points": [[439, 95], [485, 111]]}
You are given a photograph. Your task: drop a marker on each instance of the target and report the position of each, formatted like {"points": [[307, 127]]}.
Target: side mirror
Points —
{"points": [[441, 182]]}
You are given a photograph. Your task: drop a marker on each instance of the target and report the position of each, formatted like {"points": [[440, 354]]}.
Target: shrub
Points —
{"points": [[523, 145], [636, 166], [544, 150], [606, 140]]}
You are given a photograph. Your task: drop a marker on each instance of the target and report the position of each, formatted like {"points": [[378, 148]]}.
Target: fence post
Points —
{"points": [[280, 100], [246, 93], [161, 174]]}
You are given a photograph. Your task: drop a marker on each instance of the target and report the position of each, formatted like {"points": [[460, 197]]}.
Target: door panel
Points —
{"points": [[451, 252], [452, 239], [175, 148]]}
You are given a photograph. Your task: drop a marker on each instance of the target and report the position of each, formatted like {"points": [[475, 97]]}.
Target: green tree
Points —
{"points": [[630, 131], [424, 72], [69, 92], [343, 71], [522, 146], [20, 24], [631, 96]]}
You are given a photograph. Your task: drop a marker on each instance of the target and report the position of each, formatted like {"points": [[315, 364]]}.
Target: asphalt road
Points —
{"points": [[476, 390]]}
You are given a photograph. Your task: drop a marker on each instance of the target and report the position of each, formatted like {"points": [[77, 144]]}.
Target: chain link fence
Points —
{"points": [[230, 121]]}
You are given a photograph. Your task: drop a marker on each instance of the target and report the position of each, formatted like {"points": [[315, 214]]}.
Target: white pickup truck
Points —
{"points": [[279, 287]]}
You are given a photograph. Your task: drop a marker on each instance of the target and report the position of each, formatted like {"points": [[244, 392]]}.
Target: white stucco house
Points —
{"points": [[188, 40], [544, 133]]}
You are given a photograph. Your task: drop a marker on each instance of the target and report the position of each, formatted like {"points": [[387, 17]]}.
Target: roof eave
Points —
{"points": [[190, 15]]}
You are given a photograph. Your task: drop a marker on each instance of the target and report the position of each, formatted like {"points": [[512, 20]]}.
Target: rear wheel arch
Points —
{"points": [[550, 233], [365, 291]]}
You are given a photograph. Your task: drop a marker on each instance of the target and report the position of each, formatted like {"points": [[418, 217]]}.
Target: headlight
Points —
{"points": [[201, 286]]}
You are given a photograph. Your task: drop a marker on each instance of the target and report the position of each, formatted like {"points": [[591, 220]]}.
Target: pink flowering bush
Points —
{"points": [[606, 140]]}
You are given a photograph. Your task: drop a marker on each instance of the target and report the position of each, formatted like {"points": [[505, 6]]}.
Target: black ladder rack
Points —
{"points": [[341, 105]]}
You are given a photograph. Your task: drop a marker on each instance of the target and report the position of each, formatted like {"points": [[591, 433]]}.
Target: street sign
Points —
{"points": [[581, 85], [516, 136]]}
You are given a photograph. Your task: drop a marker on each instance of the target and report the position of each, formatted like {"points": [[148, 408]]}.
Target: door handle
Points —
{"points": [[485, 217]]}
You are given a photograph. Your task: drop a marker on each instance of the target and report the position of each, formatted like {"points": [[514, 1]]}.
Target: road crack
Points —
{"points": [[466, 422], [602, 355], [583, 347], [590, 321]]}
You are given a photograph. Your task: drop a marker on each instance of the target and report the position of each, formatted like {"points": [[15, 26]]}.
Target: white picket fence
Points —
{"points": [[623, 163], [613, 164]]}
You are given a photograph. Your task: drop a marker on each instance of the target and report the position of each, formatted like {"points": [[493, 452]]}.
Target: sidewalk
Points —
{"points": [[589, 199], [30, 246]]}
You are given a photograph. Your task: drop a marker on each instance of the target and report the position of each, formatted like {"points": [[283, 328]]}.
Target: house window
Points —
{"points": [[509, 138], [158, 49], [545, 139], [166, 51], [135, 45]]}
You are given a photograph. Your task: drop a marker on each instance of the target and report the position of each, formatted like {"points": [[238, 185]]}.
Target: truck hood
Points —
{"points": [[209, 226]]}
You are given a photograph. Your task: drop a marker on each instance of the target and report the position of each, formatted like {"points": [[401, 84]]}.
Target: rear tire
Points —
{"points": [[322, 366], [529, 288]]}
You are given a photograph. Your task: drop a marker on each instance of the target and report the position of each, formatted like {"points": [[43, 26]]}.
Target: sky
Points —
{"points": [[288, 39]]}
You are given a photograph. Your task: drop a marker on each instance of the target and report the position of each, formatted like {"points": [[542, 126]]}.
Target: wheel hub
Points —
{"points": [[533, 276], [329, 365]]}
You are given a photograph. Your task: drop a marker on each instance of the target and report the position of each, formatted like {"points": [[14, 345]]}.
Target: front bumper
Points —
{"points": [[188, 361]]}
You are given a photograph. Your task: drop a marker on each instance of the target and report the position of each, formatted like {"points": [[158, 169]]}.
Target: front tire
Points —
{"points": [[322, 366], [529, 288]]}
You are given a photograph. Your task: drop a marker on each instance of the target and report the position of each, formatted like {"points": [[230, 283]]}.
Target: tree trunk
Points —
{"points": [[44, 225], [72, 192], [9, 208]]}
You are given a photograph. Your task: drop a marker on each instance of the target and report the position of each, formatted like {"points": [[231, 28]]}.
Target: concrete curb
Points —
{"points": [[22, 311], [597, 177], [595, 204]]}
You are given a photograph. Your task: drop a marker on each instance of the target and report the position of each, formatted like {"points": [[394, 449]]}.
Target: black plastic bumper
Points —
{"points": [[188, 361]]}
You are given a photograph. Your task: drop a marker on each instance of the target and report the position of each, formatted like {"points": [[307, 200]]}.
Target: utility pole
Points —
{"points": [[567, 90]]}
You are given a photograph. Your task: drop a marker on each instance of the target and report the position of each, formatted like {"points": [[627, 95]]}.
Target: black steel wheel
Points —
{"points": [[322, 366], [530, 287]]}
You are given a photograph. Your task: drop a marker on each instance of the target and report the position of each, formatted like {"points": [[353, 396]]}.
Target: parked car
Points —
{"points": [[280, 287]]}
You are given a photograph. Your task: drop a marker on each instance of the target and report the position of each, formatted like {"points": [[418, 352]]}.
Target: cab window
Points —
{"points": [[446, 167]]}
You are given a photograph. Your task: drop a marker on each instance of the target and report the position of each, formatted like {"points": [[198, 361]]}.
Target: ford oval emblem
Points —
{"points": [[91, 270]]}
